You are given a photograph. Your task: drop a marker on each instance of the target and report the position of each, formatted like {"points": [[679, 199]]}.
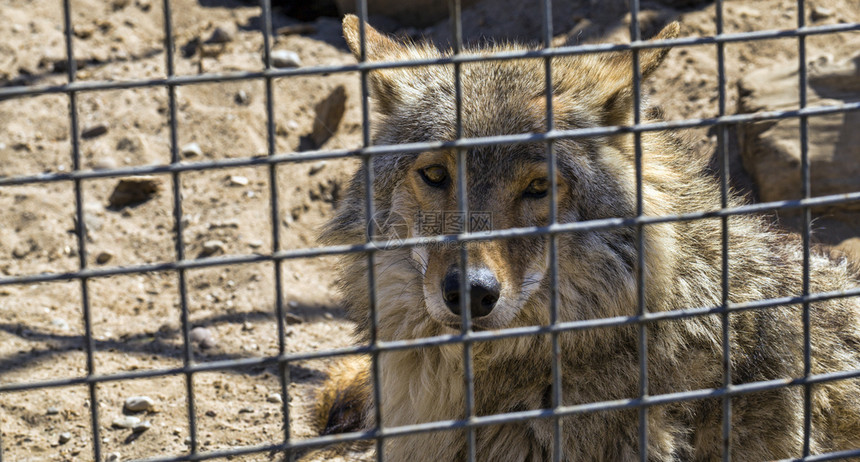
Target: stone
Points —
{"points": [[133, 191], [103, 257], [820, 12], [52, 411], [329, 113], [771, 150], [242, 97], [275, 398], [317, 167], [61, 324], [64, 438], [221, 34], [212, 247], [105, 163], [113, 457], [191, 150], [125, 421], [238, 180], [138, 404], [285, 59], [94, 131], [202, 337], [141, 427]]}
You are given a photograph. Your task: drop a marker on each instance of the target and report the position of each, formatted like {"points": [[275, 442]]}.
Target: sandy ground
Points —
{"points": [[136, 321]]}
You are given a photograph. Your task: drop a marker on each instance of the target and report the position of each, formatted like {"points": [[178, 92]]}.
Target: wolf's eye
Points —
{"points": [[537, 189], [435, 175]]}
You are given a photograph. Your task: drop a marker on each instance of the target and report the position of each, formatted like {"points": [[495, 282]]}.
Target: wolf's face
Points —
{"points": [[506, 185]]}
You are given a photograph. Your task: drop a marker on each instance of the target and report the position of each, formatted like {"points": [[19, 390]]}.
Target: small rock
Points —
{"points": [[212, 247], [105, 163], [820, 12], [113, 457], [119, 4], [317, 167], [139, 404], [94, 131], [191, 150], [246, 410], [238, 180], [328, 316], [293, 319], [211, 413], [242, 98], [52, 411], [292, 124], [221, 35], [329, 113], [126, 421], [285, 58], [130, 191], [65, 437], [202, 337], [103, 257], [142, 427], [61, 324], [255, 244], [275, 398]]}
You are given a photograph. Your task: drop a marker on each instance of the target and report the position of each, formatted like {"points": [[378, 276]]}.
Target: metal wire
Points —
{"points": [[467, 337]]}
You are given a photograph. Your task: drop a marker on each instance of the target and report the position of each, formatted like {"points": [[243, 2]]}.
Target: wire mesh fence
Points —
{"points": [[181, 264]]}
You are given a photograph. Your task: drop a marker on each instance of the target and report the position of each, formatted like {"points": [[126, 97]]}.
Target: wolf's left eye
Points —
{"points": [[435, 176], [537, 189]]}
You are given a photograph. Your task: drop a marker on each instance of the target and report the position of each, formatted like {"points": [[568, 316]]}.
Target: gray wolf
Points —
{"points": [[418, 291]]}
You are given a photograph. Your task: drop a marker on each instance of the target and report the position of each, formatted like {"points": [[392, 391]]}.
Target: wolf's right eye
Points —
{"points": [[435, 176]]}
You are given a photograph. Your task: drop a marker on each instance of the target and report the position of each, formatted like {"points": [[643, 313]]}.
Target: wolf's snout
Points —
{"points": [[484, 290]]}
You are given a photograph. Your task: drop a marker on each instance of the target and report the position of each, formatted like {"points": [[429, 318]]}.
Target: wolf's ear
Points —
{"points": [[617, 77], [390, 87]]}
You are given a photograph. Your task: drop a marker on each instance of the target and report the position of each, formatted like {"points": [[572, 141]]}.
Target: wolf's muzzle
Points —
{"points": [[484, 290]]}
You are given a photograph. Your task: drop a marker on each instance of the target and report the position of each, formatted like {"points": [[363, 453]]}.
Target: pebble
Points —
{"points": [[303, 29], [65, 437], [285, 58], [139, 403], [275, 398], [293, 319], [317, 167], [135, 190], [103, 257], [238, 180], [61, 324], [126, 421], [105, 163], [142, 427], [242, 97], [221, 35], [255, 244], [212, 247], [113, 457], [202, 337], [820, 12], [94, 131], [52, 411], [191, 150]]}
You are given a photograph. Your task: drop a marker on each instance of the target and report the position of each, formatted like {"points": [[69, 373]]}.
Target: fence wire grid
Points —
{"points": [[289, 445]]}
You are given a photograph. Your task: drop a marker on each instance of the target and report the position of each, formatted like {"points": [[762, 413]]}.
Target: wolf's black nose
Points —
{"points": [[484, 290]]}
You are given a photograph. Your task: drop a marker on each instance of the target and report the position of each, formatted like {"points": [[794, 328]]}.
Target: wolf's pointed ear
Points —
{"points": [[390, 87], [617, 76]]}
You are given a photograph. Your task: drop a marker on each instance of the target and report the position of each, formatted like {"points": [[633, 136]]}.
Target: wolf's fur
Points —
{"points": [[596, 276]]}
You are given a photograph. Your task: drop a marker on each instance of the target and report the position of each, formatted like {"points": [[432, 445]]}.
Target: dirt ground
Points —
{"points": [[136, 323]]}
